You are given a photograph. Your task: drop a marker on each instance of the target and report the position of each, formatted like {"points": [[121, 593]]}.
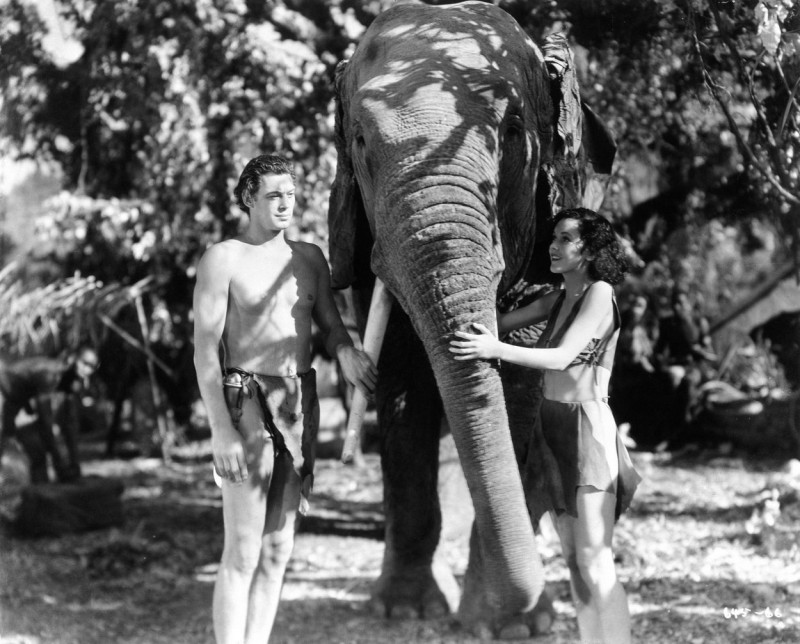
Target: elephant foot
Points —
{"points": [[479, 630], [407, 595], [513, 630], [538, 621]]}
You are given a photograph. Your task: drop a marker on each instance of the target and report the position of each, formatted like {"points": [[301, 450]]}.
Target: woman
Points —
{"points": [[577, 468]]}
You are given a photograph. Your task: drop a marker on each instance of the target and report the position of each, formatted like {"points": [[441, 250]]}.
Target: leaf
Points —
{"points": [[769, 28], [771, 36]]}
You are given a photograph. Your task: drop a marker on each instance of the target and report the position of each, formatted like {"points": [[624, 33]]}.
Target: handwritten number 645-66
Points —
{"points": [[736, 613]]}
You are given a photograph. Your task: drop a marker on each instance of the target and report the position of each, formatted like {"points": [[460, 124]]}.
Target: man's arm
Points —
{"points": [[210, 307], [356, 365]]}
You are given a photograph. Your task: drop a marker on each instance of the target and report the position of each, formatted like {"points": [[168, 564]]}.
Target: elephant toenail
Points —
{"points": [[514, 631]]}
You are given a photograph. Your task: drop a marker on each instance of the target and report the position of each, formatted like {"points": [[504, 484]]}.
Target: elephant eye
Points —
{"points": [[358, 138], [514, 126]]}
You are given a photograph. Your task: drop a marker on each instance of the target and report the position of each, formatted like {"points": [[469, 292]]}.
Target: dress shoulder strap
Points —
{"points": [[544, 338], [556, 337]]}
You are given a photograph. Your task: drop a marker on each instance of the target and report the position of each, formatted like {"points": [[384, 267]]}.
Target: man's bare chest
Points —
{"points": [[261, 288]]}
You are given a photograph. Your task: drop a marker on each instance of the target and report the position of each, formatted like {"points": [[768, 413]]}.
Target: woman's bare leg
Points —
{"points": [[608, 619], [588, 618]]}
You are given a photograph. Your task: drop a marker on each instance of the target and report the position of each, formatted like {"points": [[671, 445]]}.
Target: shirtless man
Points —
{"points": [[254, 302]]}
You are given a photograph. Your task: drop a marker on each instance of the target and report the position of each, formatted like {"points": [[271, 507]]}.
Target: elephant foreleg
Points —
{"points": [[409, 417]]}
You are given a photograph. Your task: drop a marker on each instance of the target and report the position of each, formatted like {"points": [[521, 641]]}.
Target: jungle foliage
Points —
{"points": [[156, 105]]}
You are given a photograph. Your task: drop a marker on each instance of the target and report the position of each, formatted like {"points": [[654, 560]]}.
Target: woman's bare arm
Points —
{"points": [[593, 318], [531, 313]]}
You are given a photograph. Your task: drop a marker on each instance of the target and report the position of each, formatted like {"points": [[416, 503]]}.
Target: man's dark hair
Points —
{"points": [[250, 179], [608, 261]]}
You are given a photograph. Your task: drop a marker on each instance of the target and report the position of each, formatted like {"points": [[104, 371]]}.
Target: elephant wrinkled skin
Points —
{"points": [[455, 138]]}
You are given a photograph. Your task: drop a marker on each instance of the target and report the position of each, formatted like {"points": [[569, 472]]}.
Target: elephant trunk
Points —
{"points": [[475, 408], [452, 282]]}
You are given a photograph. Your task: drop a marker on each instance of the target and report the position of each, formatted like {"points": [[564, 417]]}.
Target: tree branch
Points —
{"points": [[790, 101], [747, 78], [747, 151]]}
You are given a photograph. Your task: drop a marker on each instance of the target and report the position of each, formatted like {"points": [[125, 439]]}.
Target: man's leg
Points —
{"points": [[244, 511], [70, 424], [44, 425], [8, 415], [295, 412], [276, 551]]}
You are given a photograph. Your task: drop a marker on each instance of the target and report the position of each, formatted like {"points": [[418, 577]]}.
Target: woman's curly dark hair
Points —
{"points": [[250, 179], [608, 261]]}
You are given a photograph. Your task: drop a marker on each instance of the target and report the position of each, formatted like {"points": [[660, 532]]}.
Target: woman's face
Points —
{"points": [[566, 249]]}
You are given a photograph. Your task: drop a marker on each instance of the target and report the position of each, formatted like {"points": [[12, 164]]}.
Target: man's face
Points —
{"points": [[86, 364], [272, 206]]}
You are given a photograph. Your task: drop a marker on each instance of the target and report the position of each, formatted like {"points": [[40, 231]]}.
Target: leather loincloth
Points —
{"points": [[282, 411]]}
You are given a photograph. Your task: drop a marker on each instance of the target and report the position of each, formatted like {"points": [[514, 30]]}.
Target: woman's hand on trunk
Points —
{"points": [[473, 346]]}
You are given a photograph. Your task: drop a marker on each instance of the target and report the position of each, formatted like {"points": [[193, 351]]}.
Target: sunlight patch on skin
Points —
{"points": [[398, 32], [394, 73], [467, 51]]}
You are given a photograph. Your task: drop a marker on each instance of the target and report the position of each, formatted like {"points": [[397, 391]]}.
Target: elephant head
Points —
{"points": [[455, 136]]}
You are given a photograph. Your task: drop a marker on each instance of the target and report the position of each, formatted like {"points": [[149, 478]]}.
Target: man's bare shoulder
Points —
{"points": [[309, 252], [220, 255]]}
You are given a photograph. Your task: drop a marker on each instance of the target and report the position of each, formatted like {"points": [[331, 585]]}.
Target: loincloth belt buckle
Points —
{"points": [[235, 387]]}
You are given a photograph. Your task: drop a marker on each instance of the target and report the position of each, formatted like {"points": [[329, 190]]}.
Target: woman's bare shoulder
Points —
{"points": [[600, 289], [600, 301]]}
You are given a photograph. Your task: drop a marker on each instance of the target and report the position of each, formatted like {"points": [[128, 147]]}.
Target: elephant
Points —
{"points": [[456, 139]]}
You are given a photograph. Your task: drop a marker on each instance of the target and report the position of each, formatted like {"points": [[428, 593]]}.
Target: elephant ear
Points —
{"points": [[577, 167], [583, 147], [349, 240]]}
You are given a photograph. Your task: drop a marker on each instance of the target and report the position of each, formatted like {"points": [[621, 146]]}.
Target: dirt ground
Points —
{"points": [[696, 567]]}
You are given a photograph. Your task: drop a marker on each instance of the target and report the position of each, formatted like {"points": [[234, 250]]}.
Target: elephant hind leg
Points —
{"points": [[409, 416]]}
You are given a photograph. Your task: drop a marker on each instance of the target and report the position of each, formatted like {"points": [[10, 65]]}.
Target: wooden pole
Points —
{"points": [[754, 298], [377, 319], [160, 419], [137, 345]]}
